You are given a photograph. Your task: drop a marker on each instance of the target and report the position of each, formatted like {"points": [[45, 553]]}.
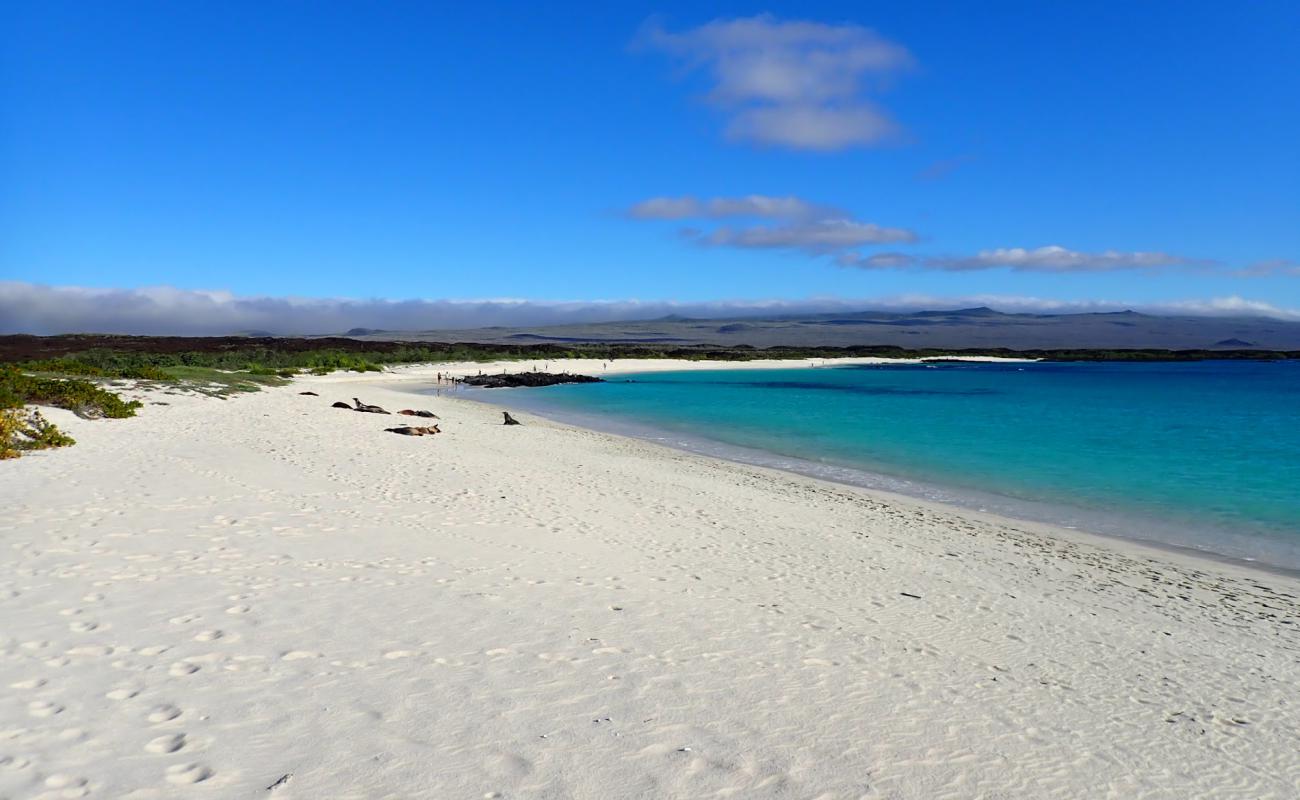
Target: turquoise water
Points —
{"points": [[1202, 454]]}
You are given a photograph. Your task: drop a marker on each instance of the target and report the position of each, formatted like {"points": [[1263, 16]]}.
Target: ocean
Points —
{"points": [[1202, 455]]}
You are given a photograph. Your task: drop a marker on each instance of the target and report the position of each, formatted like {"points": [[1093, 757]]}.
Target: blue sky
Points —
{"points": [[508, 150]]}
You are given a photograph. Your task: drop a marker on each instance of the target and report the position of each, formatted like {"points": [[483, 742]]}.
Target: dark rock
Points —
{"points": [[509, 419], [309, 394], [508, 380], [412, 413], [341, 404]]}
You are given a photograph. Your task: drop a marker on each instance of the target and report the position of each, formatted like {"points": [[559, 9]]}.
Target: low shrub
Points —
{"points": [[75, 366], [11, 426], [82, 397], [21, 431]]}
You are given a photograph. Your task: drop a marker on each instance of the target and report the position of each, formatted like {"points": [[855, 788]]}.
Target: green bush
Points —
{"points": [[43, 434], [11, 425], [79, 366], [83, 397], [21, 431]]}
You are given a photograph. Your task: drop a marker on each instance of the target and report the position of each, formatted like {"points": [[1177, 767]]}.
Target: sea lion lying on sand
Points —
{"points": [[366, 408], [410, 413], [407, 430]]}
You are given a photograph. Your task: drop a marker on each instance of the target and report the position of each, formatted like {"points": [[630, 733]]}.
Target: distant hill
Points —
{"points": [[960, 328]]}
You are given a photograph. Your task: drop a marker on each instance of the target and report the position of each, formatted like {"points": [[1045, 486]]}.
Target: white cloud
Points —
{"points": [[1232, 306], [753, 205], [1052, 258], [817, 237], [1055, 258], [37, 309], [1274, 266], [793, 84], [876, 261], [1229, 306], [820, 230], [804, 226]]}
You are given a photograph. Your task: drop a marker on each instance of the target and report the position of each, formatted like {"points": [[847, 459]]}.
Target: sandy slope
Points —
{"points": [[218, 594]]}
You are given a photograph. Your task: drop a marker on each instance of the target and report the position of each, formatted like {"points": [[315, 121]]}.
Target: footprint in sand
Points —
{"points": [[85, 627], [298, 655], [43, 708], [185, 619], [163, 713], [71, 786], [188, 773], [166, 744], [14, 763], [180, 669], [209, 636], [239, 609], [91, 650], [34, 683], [122, 694]]}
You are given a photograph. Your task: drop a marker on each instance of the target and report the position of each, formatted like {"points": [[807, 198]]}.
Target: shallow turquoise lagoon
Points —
{"points": [[1203, 454]]}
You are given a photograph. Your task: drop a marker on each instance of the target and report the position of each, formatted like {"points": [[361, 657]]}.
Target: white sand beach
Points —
{"points": [[264, 596]]}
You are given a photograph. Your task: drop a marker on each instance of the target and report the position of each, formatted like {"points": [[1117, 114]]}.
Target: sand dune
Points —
{"points": [[268, 597]]}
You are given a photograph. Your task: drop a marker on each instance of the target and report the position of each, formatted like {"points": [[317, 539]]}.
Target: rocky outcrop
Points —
{"points": [[517, 379]]}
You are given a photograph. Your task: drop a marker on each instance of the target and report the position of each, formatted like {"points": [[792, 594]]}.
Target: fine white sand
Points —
{"points": [[221, 597]]}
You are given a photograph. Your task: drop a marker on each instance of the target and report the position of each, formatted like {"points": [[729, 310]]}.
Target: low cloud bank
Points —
{"points": [[1052, 258], [45, 310]]}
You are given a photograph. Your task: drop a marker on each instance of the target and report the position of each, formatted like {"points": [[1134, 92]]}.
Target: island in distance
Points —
{"points": [[962, 328]]}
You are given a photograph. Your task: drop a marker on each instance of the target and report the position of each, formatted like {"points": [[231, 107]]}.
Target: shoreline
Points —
{"points": [[957, 501], [222, 593], [962, 501]]}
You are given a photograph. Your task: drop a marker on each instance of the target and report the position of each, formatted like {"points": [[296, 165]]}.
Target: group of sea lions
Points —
{"points": [[405, 430]]}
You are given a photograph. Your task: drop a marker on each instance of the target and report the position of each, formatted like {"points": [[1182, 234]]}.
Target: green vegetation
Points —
{"points": [[82, 397], [21, 432], [220, 383], [11, 425], [264, 361], [83, 367]]}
